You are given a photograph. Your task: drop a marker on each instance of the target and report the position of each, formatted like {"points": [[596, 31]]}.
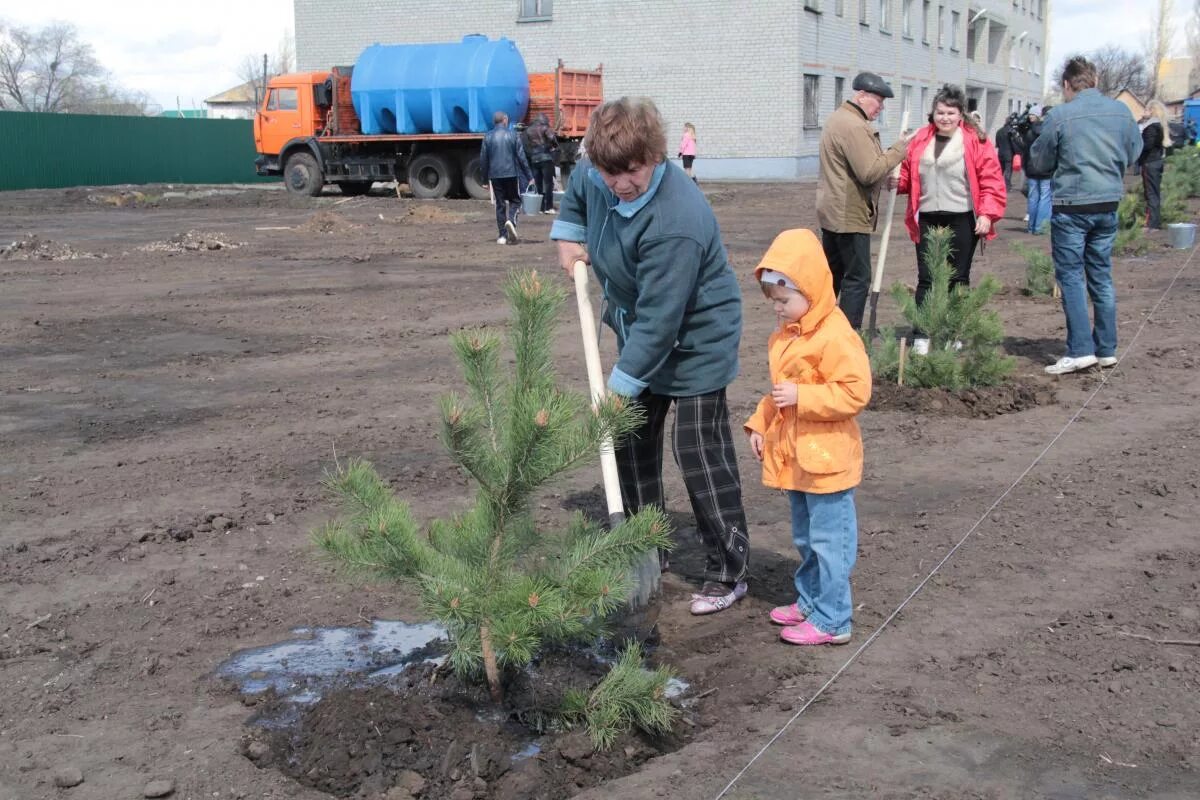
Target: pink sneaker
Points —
{"points": [[807, 633], [787, 615]]}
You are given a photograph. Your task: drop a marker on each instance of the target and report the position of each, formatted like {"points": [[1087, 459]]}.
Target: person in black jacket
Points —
{"points": [[542, 145], [502, 160], [1156, 138], [1004, 149], [1037, 184]]}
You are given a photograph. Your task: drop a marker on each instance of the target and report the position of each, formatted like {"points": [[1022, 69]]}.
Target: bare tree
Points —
{"points": [[51, 70], [1118, 69], [250, 71], [1158, 46]]}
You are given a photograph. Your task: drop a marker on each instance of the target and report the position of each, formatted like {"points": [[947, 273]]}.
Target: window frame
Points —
{"points": [[543, 10], [811, 102], [273, 95]]}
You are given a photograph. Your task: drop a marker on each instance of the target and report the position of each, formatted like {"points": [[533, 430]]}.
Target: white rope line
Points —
{"points": [[965, 537]]}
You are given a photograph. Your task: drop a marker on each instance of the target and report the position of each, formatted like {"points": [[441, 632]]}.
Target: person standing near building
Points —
{"points": [[1156, 138], [853, 167], [1004, 149], [1087, 143], [543, 144], [687, 148], [1038, 185], [502, 160]]}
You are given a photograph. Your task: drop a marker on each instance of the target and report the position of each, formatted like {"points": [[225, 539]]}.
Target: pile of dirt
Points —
{"points": [[125, 199], [424, 735], [430, 212], [328, 222], [34, 248], [981, 402], [192, 242]]}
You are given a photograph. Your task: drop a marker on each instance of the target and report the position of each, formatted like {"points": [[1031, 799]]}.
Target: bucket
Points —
{"points": [[558, 196], [1181, 235], [531, 202]]}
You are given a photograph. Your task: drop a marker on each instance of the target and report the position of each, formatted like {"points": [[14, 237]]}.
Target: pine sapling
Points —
{"points": [[499, 586], [629, 696], [964, 336], [1039, 270]]}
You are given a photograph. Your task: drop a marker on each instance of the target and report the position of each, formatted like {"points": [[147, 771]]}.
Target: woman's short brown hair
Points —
{"points": [[1080, 74], [626, 133]]}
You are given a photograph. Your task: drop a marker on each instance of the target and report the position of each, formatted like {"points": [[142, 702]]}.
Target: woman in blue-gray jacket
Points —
{"points": [[673, 301]]}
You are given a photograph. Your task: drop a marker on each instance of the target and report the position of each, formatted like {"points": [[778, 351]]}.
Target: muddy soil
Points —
{"points": [[166, 416]]}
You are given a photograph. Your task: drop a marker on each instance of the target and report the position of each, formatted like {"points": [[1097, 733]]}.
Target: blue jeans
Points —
{"points": [[1082, 248], [1039, 204], [825, 531]]}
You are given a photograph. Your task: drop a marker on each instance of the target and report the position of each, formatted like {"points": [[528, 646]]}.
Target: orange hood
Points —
{"points": [[798, 255]]}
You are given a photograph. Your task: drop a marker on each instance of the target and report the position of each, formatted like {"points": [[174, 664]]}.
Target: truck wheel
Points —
{"points": [[430, 176], [302, 175], [355, 188], [473, 180]]}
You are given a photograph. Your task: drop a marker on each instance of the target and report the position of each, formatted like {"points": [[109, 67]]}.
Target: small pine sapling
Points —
{"points": [[499, 586], [629, 696], [1131, 232], [1039, 270], [948, 317]]}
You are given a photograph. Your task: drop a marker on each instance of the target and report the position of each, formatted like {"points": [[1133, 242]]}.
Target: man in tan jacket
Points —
{"points": [[853, 166]]}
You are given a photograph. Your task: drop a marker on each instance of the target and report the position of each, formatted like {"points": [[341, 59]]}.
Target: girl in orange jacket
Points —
{"points": [[805, 434]]}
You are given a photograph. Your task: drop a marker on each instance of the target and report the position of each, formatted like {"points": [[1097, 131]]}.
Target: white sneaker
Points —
{"points": [[1107, 361], [956, 345], [550, 211], [920, 347], [1067, 364], [512, 231], [1025, 218], [502, 240]]}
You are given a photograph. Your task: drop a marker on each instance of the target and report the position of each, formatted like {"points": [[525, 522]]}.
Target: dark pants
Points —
{"points": [[704, 453], [1152, 173], [1006, 168], [508, 202], [543, 175], [849, 257], [962, 249]]}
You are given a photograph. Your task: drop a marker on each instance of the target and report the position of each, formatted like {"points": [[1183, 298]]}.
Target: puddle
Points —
{"points": [[532, 749], [299, 669], [676, 688]]}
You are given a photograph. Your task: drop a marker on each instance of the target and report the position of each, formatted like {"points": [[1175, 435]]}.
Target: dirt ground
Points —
{"points": [[180, 367]]}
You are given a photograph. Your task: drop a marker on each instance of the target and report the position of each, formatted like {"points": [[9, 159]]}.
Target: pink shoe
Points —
{"points": [[807, 633], [787, 615], [717, 597]]}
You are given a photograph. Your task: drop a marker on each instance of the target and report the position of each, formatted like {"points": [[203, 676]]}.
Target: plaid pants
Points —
{"points": [[703, 446]]}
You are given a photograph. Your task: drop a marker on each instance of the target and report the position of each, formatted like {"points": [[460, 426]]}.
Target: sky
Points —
{"points": [[186, 51]]}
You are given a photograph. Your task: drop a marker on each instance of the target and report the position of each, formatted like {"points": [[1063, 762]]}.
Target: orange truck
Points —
{"points": [[308, 131]]}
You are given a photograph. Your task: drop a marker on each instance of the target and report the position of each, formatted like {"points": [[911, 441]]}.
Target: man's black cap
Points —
{"points": [[870, 82]]}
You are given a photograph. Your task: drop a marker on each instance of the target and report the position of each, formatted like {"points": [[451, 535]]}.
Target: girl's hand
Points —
{"points": [[756, 444], [784, 394], [983, 226]]}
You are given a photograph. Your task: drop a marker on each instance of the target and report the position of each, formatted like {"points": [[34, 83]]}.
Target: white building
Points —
{"points": [[757, 79]]}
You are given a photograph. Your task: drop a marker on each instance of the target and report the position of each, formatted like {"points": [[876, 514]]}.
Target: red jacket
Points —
{"points": [[988, 196]]}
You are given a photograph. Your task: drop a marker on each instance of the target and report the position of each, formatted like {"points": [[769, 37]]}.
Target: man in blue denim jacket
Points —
{"points": [[1087, 143]]}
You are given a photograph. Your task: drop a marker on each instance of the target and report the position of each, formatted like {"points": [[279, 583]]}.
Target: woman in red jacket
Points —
{"points": [[952, 177]]}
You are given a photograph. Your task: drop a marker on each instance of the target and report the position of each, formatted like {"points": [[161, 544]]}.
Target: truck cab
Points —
{"points": [[288, 115]]}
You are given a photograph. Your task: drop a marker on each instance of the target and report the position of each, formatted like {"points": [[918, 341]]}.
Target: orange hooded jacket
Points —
{"points": [[814, 446]]}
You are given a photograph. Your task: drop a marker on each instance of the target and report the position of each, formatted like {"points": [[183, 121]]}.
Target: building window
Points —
{"points": [[812, 5], [862, 12], [535, 10], [941, 37], [925, 21], [839, 92], [906, 95], [812, 96], [954, 15], [1037, 60], [906, 18], [924, 105], [839, 7], [885, 15]]}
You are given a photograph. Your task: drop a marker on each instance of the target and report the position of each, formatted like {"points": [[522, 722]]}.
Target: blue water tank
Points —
{"points": [[439, 88]]}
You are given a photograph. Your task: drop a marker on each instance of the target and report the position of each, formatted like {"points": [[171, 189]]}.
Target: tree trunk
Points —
{"points": [[489, 664]]}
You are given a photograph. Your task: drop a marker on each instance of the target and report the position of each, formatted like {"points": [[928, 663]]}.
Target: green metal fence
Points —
{"points": [[46, 151]]}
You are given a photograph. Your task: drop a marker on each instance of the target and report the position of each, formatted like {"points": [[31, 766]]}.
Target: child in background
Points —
{"points": [[805, 434], [687, 148]]}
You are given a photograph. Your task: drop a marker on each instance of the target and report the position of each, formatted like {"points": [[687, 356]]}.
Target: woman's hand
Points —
{"points": [[756, 444], [568, 254], [784, 394], [893, 182], [983, 225]]}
